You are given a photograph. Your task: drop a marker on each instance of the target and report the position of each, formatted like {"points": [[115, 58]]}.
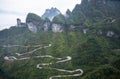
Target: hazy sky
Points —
{"points": [[12, 9]]}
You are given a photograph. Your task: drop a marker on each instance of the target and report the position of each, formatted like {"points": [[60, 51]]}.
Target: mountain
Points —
{"points": [[87, 39], [102, 15], [34, 22], [96, 10], [51, 13]]}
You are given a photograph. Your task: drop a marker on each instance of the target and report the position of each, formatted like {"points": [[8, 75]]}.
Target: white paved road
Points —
{"points": [[41, 65]]}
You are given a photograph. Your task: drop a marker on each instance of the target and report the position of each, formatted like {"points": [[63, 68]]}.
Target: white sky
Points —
{"points": [[12, 9]]}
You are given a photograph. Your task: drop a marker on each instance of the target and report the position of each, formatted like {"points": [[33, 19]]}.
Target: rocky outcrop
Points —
{"points": [[46, 26], [60, 28], [32, 27], [57, 28], [85, 30], [20, 24], [110, 33], [51, 13], [34, 22]]}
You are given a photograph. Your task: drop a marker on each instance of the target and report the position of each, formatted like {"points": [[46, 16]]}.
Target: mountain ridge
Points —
{"points": [[51, 13]]}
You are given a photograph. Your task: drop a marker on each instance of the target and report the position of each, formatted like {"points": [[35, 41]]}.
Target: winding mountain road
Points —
{"points": [[68, 58], [73, 75], [42, 65]]}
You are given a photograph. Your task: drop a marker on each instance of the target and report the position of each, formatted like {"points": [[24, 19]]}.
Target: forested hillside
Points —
{"points": [[87, 48]]}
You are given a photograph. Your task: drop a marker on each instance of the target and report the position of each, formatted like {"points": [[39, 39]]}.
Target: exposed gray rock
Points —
{"points": [[32, 27], [85, 30], [67, 16], [20, 24], [51, 13], [57, 28], [34, 22], [46, 26], [110, 34]]}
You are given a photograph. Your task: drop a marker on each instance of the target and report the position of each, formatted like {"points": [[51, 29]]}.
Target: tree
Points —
{"points": [[60, 19], [103, 72]]}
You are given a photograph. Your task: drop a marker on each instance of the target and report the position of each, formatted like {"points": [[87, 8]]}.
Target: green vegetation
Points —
{"points": [[103, 72], [88, 52], [97, 55], [59, 19], [33, 17]]}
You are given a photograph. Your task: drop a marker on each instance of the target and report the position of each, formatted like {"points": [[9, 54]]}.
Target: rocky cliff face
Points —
{"points": [[51, 13], [32, 27], [91, 16], [46, 26], [34, 22], [57, 27]]}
